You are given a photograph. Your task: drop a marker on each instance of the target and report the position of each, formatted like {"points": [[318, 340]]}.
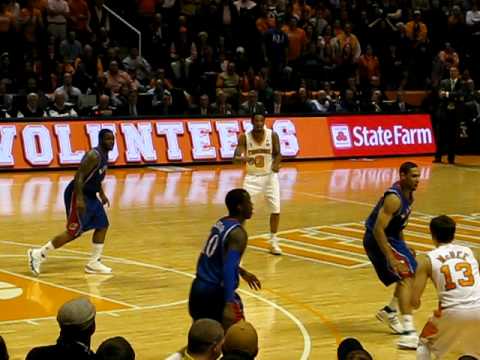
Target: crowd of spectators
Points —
{"points": [[221, 57]]}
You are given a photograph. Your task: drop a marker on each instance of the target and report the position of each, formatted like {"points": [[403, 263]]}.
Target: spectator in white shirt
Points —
{"points": [[71, 92], [59, 108]]}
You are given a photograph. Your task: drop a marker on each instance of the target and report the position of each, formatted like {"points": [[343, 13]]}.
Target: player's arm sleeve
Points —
{"points": [[236, 243], [420, 281]]}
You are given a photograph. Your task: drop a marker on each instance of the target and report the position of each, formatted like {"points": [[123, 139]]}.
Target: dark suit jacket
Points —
{"points": [[246, 110], [61, 352], [455, 93]]}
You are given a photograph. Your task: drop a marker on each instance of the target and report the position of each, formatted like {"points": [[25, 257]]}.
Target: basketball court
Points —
{"points": [[321, 290]]}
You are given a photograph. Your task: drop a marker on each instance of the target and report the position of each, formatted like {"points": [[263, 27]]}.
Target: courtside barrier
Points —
{"points": [[57, 143]]}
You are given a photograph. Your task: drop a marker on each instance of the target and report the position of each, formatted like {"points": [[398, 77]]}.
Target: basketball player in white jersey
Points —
{"points": [[259, 149], [453, 269]]}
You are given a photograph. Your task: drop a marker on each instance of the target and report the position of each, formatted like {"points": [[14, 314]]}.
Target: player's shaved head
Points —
{"points": [[234, 199], [203, 335]]}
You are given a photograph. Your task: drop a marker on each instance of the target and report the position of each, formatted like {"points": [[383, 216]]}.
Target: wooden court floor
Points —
{"points": [[321, 290]]}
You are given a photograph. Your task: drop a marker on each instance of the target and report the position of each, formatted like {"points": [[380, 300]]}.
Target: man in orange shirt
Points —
{"points": [[297, 39]]}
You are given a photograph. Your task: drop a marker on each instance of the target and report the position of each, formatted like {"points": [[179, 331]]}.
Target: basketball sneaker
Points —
{"points": [[274, 247], [390, 317], [35, 259], [96, 267], [408, 340]]}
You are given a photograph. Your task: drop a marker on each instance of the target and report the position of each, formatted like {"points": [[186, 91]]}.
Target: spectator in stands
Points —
{"points": [[59, 108], [322, 103], [375, 103], [252, 105], [416, 30], [346, 37], [132, 103], [78, 19], [276, 105], [205, 339], [88, 68], [103, 107], [33, 108], [116, 348], [99, 18], [300, 103], [5, 99], [116, 78], [241, 342], [221, 107], [203, 108], [138, 64], [76, 319], [229, 82], [451, 94], [120, 100], [368, 65], [276, 49], [400, 105], [349, 103], [351, 349], [71, 92], [57, 14], [3, 350], [296, 40], [70, 48]]}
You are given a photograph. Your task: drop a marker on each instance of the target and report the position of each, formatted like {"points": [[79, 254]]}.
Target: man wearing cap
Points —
{"points": [[76, 319], [205, 340], [241, 342]]}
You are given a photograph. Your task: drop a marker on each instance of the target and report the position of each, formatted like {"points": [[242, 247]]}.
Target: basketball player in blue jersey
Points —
{"points": [[212, 294], [393, 261], [84, 210]]}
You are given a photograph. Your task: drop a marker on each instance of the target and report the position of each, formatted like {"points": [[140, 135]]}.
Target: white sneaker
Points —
{"points": [[274, 247], [408, 341], [390, 318], [35, 259], [96, 267]]}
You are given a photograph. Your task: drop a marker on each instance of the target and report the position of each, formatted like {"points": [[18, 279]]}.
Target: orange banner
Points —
{"points": [[62, 143]]}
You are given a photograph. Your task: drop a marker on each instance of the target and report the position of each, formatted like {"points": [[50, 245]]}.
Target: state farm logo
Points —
{"points": [[341, 136]]}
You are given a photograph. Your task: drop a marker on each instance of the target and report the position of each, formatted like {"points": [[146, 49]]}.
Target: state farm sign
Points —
{"points": [[380, 134]]}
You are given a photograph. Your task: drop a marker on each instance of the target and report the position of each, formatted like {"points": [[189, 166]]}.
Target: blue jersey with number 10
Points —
{"points": [[210, 263]]}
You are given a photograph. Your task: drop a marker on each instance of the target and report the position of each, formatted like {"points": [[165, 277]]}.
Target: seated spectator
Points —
{"points": [[116, 78], [3, 350], [241, 342], [322, 104], [78, 20], [416, 30], [301, 103], [349, 103], [33, 108], [59, 108], [57, 14], [375, 103], [71, 92], [221, 107], [252, 106], [203, 107], [368, 65], [138, 64], [351, 349], [229, 82], [116, 348], [5, 99], [76, 319], [400, 106], [103, 108], [205, 339], [276, 106]]}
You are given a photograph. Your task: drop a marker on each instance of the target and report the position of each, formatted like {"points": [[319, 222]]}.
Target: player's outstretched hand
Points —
{"points": [[251, 280]]}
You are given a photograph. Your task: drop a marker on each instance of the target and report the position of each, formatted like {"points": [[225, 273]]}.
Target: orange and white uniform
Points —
{"points": [[456, 325], [260, 179]]}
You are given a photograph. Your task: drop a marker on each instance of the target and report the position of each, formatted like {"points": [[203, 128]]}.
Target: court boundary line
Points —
{"points": [[307, 342]]}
